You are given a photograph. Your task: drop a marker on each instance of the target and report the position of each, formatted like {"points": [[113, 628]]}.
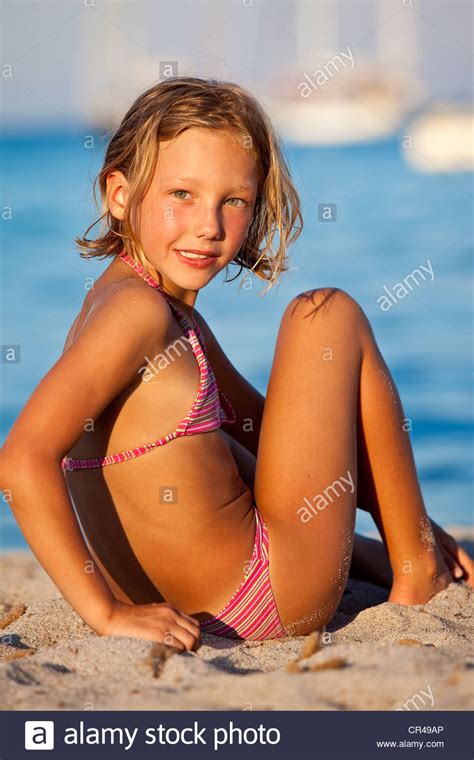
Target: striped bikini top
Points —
{"points": [[206, 413]]}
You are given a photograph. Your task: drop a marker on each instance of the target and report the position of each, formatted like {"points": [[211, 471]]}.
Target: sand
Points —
{"points": [[373, 656]]}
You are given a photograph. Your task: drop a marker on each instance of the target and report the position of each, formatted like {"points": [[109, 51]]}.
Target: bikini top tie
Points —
{"points": [[210, 407]]}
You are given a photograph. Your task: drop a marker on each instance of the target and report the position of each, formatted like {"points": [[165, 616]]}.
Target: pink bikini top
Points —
{"points": [[206, 412]]}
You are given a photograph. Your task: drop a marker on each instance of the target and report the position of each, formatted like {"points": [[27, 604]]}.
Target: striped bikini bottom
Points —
{"points": [[251, 613]]}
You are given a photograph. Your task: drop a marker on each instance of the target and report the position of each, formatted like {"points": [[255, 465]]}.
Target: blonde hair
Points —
{"points": [[163, 112]]}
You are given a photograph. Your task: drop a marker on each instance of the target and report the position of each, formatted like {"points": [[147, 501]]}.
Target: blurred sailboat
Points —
{"points": [[441, 140], [334, 94], [363, 108]]}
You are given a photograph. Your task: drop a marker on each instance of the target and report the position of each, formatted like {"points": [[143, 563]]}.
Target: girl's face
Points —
{"points": [[201, 200]]}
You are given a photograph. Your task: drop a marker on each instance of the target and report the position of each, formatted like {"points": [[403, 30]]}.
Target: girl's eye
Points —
{"points": [[179, 191], [185, 192], [239, 199]]}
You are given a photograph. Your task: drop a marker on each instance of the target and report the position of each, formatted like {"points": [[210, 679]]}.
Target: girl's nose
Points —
{"points": [[208, 223]]}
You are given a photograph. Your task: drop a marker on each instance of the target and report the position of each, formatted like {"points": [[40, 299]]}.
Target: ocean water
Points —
{"points": [[387, 220]]}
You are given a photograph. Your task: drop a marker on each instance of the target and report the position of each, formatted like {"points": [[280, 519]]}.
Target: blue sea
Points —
{"points": [[387, 220]]}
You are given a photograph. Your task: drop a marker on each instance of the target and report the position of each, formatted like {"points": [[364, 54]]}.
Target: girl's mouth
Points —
{"points": [[196, 260]]}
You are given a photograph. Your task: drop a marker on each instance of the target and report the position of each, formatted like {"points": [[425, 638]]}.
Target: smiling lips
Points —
{"points": [[195, 258]]}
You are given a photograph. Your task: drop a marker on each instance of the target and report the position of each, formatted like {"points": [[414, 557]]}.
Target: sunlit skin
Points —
{"points": [[318, 421], [203, 211]]}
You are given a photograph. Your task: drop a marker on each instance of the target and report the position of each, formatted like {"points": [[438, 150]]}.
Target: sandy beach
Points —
{"points": [[373, 656]]}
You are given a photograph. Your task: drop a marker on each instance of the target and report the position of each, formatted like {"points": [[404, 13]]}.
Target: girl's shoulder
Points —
{"points": [[125, 298]]}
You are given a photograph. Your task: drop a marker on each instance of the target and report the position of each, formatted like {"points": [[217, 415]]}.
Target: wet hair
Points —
{"points": [[162, 113]]}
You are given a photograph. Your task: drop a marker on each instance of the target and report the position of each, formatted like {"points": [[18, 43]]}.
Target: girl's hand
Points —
{"points": [[154, 622], [457, 560]]}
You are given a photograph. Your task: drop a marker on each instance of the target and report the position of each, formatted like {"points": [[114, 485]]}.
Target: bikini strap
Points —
{"points": [[150, 280], [200, 337]]}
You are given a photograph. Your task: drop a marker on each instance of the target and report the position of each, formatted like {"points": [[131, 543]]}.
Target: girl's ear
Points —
{"points": [[117, 194]]}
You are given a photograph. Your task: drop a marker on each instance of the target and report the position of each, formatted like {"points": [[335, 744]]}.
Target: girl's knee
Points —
{"points": [[329, 303]]}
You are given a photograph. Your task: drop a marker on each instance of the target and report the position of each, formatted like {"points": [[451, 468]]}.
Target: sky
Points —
{"points": [[86, 60]]}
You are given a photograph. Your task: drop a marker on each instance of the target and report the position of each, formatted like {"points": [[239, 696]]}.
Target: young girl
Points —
{"points": [[200, 504]]}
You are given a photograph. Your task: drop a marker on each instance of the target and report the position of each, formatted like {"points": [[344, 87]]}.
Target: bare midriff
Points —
{"points": [[182, 510], [175, 524]]}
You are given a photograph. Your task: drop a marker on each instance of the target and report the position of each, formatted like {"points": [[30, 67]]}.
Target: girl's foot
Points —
{"points": [[419, 584], [370, 563]]}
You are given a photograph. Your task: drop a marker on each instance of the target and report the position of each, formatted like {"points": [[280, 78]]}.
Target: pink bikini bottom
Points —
{"points": [[251, 613]]}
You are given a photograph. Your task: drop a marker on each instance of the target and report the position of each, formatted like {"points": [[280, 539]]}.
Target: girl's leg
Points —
{"points": [[370, 562], [370, 558], [327, 376]]}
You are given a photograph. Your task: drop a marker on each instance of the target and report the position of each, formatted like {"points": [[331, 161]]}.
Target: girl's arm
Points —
{"points": [[128, 324], [248, 403]]}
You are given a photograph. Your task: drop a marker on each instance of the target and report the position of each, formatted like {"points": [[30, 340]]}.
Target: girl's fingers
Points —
{"points": [[468, 566], [454, 568], [184, 636], [184, 620], [192, 620], [172, 636], [192, 629], [461, 558], [185, 629], [450, 547], [179, 615]]}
